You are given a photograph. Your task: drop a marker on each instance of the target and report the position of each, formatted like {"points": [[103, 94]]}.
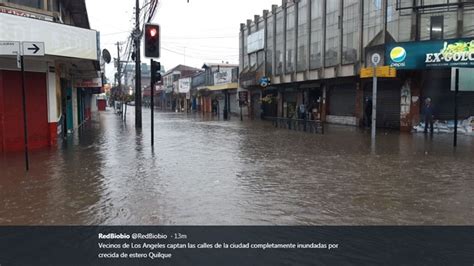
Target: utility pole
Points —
{"points": [[138, 85], [119, 80], [119, 66]]}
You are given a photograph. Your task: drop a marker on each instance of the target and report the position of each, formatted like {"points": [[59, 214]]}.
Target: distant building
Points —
{"points": [[60, 86], [170, 96], [218, 94]]}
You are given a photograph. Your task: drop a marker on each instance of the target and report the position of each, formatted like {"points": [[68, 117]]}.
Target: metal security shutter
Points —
{"points": [[439, 90], [388, 103], [342, 99]]}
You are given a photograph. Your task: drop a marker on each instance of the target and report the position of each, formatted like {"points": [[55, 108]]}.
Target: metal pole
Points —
{"points": [[125, 113], [25, 124], [225, 105], [152, 105], [241, 115], [374, 104], [119, 67], [456, 92], [138, 85]]}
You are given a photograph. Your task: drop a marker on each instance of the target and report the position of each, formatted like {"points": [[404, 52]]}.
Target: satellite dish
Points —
{"points": [[106, 56]]}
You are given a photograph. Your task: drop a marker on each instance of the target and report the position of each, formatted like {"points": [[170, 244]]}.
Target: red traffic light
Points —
{"points": [[153, 32], [152, 40]]}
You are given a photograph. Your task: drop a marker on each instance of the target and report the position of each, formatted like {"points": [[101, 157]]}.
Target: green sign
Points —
{"points": [[431, 54]]}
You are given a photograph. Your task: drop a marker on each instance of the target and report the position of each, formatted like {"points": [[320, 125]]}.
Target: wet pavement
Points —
{"points": [[209, 172]]}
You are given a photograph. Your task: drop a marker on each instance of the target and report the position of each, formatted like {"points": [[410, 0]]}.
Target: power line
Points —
{"points": [[198, 47], [200, 57], [202, 38], [114, 33]]}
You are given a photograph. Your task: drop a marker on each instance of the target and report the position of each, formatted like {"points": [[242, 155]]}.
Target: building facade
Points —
{"points": [[61, 85], [218, 93], [312, 51], [170, 96]]}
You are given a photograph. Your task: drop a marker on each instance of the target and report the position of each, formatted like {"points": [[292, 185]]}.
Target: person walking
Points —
{"points": [[428, 113]]}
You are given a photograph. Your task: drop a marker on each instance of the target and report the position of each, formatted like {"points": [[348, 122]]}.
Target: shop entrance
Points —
{"points": [[67, 121], [388, 104]]}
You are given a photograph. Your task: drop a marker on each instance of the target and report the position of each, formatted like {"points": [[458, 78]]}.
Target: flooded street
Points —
{"points": [[208, 172]]}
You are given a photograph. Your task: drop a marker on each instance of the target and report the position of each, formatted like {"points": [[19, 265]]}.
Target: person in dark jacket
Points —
{"points": [[428, 114], [368, 111]]}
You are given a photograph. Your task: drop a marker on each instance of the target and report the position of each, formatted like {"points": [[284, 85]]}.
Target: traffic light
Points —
{"points": [[155, 71], [152, 41]]}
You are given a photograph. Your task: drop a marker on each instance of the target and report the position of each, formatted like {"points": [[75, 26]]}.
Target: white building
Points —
{"points": [[61, 85]]}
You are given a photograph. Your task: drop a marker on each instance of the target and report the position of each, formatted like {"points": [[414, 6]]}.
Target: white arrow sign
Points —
{"points": [[9, 48], [33, 48]]}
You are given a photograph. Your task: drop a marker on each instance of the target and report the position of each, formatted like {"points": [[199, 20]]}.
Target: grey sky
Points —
{"points": [[191, 33]]}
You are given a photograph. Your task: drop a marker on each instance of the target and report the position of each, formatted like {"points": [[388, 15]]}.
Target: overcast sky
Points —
{"points": [[191, 33]]}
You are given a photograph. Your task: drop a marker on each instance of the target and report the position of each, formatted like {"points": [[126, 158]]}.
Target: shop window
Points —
{"points": [[436, 28], [333, 20], [315, 50]]}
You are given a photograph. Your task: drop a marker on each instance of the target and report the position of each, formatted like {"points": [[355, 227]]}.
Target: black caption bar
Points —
{"points": [[236, 245]]}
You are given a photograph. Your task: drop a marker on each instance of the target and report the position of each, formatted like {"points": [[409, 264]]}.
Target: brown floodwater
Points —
{"points": [[206, 171]]}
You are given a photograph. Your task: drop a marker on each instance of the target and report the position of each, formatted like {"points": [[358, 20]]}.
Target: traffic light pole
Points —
{"points": [[138, 75], [152, 106]]}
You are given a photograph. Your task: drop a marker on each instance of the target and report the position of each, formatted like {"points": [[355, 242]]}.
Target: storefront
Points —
{"points": [[289, 100], [225, 96], [388, 103], [427, 68], [52, 103]]}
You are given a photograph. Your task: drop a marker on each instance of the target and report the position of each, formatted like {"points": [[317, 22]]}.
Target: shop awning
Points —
{"points": [[59, 39], [227, 86]]}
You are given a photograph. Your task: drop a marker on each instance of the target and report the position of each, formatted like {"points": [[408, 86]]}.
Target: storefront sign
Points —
{"points": [[21, 13], [264, 82], [431, 54], [184, 85], [89, 83], [223, 76]]}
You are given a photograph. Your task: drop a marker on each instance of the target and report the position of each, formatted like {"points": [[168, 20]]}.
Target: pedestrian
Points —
{"points": [[368, 111], [314, 110], [302, 111], [214, 106], [428, 114]]}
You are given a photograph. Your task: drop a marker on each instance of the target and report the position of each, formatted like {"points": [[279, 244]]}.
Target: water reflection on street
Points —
{"points": [[210, 172]]}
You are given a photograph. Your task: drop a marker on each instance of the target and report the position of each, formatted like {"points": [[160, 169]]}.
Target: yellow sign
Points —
{"points": [[367, 72], [382, 72], [386, 72]]}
